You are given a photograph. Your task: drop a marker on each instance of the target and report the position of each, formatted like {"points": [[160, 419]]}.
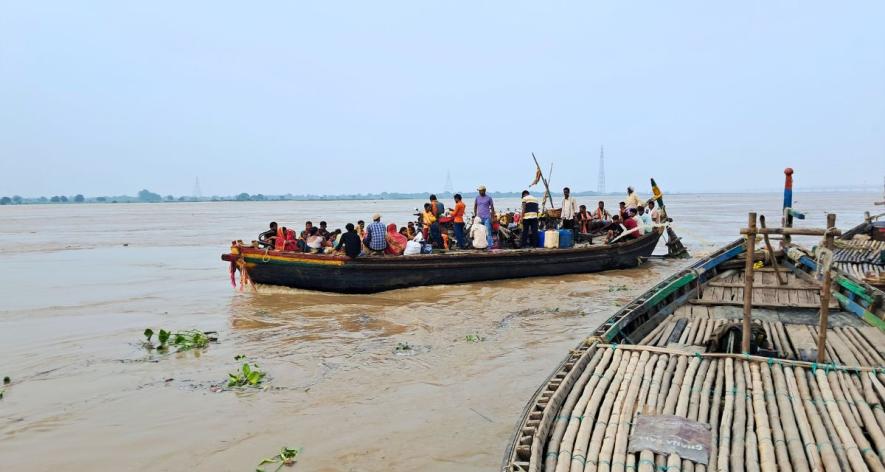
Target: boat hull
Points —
{"points": [[379, 273]]}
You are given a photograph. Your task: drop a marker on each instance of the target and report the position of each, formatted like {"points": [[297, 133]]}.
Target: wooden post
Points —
{"points": [[748, 283], [825, 294], [787, 220], [771, 256]]}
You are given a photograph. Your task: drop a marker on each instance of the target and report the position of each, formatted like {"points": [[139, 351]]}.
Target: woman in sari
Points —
{"points": [[396, 243]]}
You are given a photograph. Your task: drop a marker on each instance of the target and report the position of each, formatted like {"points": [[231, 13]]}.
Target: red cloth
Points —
{"points": [[396, 243], [291, 244], [630, 223]]}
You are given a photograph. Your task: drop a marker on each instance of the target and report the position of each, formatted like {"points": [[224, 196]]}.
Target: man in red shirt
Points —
{"points": [[458, 214], [631, 224]]}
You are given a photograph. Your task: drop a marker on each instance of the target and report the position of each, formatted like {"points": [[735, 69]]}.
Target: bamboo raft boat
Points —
{"points": [[677, 350]]}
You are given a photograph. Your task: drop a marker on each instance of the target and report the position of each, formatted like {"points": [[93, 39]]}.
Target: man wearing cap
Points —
{"points": [[484, 208], [375, 235]]}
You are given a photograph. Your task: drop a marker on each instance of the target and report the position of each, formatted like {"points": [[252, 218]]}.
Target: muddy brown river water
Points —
{"points": [[81, 282]]}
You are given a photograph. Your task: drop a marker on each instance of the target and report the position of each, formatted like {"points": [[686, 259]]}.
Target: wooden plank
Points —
{"points": [[755, 305]]}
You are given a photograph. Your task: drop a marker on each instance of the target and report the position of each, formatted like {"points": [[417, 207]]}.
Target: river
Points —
{"points": [[81, 282]]}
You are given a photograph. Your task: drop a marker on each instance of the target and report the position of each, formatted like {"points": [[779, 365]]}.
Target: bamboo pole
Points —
{"points": [[748, 284], [868, 418], [721, 355], [641, 403], [646, 457], [725, 439], [802, 409], [576, 400], [825, 292], [602, 416], [767, 460], [579, 450], [739, 426], [714, 414], [842, 419], [771, 257], [781, 439], [604, 460], [619, 454], [752, 449], [703, 413], [674, 461], [824, 415], [789, 231]]}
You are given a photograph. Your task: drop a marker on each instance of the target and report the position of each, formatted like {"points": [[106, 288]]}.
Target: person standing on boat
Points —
{"points": [[458, 215], [430, 228], [529, 220], [633, 200], [268, 238], [484, 208], [569, 210], [350, 240], [438, 209], [376, 235]]}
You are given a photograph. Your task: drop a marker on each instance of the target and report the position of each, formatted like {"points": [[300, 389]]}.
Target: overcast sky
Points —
{"points": [[337, 97]]}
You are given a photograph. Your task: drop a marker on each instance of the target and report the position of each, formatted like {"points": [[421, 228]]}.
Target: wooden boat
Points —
{"points": [[674, 351], [371, 274]]}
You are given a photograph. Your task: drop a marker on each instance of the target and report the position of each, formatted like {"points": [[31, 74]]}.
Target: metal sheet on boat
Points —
{"points": [[668, 434]]}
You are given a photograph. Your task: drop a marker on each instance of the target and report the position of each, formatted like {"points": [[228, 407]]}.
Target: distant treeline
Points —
{"points": [[146, 196]]}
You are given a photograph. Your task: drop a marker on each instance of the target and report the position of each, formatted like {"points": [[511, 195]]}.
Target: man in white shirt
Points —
{"points": [[569, 210], [478, 234]]}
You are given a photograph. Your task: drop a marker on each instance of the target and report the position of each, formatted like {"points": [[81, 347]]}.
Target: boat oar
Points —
{"points": [[777, 270]]}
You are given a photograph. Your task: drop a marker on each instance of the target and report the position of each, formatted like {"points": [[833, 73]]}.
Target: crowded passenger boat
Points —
{"points": [[441, 228]]}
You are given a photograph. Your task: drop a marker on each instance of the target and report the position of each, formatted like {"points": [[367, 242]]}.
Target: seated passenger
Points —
{"points": [[645, 221], [411, 230], [351, 242], [291, 243], [631, 225], [323, 231], [376, 239], [615, 228], [479, 235], [584, 219], [314, 241], [405, 232], [280, 240], [396, 242], [266, 239]]}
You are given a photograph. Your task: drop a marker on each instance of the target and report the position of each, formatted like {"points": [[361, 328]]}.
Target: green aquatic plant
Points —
{"points": [[7, 380], [287, 457], [248, 376], [617, 288], [181, 340], [403, 347], [474, 338]]}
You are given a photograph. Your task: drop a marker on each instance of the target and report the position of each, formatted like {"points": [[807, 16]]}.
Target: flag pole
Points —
{"points": [[543, 179]]}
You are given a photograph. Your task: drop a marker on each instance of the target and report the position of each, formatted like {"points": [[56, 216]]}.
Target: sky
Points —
{"points": [[109, 97]]}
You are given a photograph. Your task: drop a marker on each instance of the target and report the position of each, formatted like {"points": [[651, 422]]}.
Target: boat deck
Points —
{"points": [[861, 258], [783, 412]]}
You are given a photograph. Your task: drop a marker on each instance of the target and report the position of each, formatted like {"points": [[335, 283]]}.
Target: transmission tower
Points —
{"points": [[449, 187], [198, 194], [600, 186]]}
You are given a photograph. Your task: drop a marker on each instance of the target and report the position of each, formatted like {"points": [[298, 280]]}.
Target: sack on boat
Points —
{"points": [[412, 248], [426, 248]]}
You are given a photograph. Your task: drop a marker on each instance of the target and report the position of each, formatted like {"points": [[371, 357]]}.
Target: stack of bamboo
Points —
{"points": [[861, 258], [790, 341], [765, 414]]}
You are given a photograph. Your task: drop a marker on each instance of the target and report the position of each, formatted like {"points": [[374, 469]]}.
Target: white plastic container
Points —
{"points": [[551, 239]]}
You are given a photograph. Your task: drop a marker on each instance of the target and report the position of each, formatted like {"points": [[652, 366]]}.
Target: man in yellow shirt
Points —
{"points": [[633, 200]]}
